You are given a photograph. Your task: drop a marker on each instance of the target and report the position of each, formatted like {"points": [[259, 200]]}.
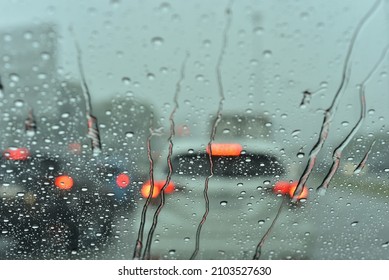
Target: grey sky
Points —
{"points": [[275, 51]]}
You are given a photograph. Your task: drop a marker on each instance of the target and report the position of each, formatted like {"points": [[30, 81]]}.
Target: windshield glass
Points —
{"points": [[188, 130], [225, 166]]}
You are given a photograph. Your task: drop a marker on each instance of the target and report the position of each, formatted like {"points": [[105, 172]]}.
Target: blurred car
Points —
{"points": [[59, 197], [242, 203], [249, 178], [49, 206]]}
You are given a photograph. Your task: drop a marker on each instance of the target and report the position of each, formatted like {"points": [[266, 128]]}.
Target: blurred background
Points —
{"points": [[280, 60]]}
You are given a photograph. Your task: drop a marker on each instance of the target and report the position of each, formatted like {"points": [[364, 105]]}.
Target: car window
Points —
{"points": [[190, 130], [242, 165]]}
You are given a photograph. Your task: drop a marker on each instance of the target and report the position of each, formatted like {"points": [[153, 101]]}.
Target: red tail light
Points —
{"points": [[225, 149], [17, 153], [287, 188], [304, 193], [158, 185], [64, 182], [123, 180], [281, 187]]}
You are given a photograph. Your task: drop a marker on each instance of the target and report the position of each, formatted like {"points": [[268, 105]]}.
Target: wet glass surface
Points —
{"points": [[184, 130]]}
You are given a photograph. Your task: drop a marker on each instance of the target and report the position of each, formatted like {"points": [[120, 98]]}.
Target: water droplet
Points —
{"points": [[164, 7], [126, 81], [14, 77], [223, 203], [157, 41], [172, 252], [385, 245], [45, 56], [300, 155], [304, 15], [207, 43], [353, 224], [200, 78], [19, 103], [186, 239], [129, 134], [42, 76], [345, 123], [226, 131], [258, 30], [151, 76], [261, 222], [267, 54], [190, 151], [321, 191], [254, 62], [324, 84], [371, 112], [296, 133]]}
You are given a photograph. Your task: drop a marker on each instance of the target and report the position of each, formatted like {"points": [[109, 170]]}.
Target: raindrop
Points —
{"points": [[261, 222], [304, 15], [223, 203], [300, 155], [126, 81], [45, 56], [345, 123], [19, 103], [267, 54], [42, 76], [254, 62], [157, 41], [164, 7], [353, 224], [226, 131], [130, 134], [258, 30], [324, 84], [296, 132], [200, 78], [207, 43], [14, 77], [65, 115], [385, 245], [172, 252], [151, 76]]}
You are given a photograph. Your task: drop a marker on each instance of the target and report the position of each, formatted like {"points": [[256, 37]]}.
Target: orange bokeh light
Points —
{"points": [[64, 182], [122, 180], [225, 149]]}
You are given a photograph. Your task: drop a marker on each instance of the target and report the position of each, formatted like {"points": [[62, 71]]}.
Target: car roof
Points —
{"points": [[182, 146]]}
